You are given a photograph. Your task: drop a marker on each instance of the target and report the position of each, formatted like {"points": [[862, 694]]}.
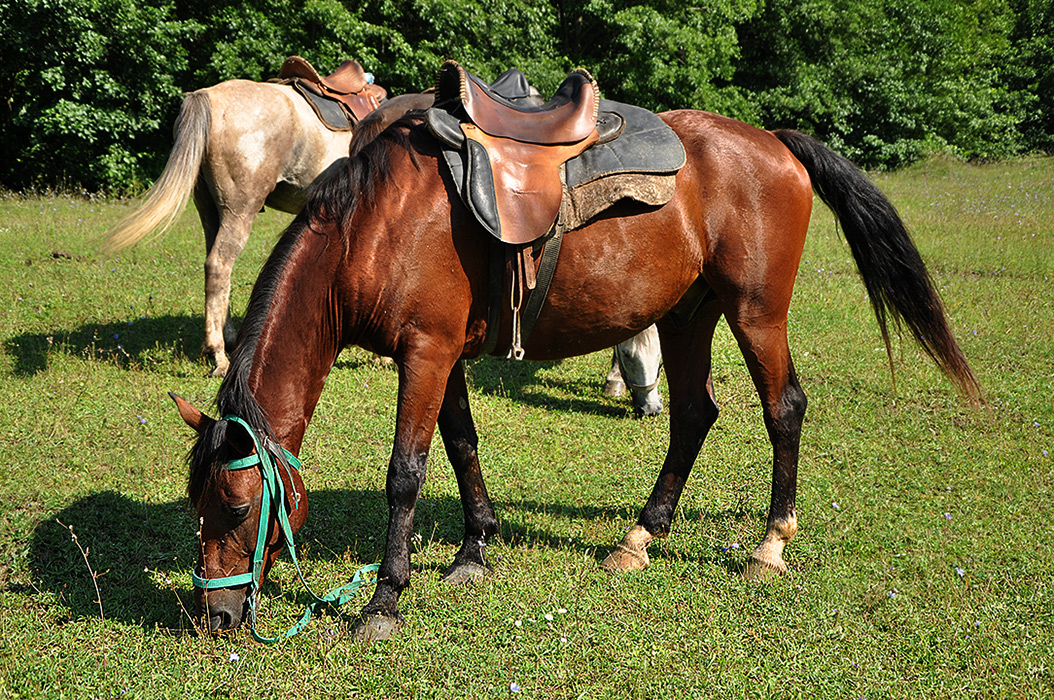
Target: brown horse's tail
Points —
{"points": [[168, 197], [896, 279]]}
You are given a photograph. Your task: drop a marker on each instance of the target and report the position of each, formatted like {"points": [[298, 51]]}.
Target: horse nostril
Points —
{"points": [[220, 620], [223, 615]]}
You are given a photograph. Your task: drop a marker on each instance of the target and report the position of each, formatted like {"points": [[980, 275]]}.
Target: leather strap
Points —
{"points": [[546, 272]]}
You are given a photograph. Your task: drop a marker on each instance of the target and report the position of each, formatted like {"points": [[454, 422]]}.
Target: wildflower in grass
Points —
{"points": [[959, 570], [514, 687], [562, 611], [548, 617], [947, 516], [235, 657], [835, 505], [893, 593]]}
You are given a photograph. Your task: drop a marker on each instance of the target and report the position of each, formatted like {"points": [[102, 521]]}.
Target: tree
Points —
{"points": [[87, 85]]}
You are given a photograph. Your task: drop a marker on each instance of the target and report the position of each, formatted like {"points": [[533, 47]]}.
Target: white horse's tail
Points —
{"points": [[168, 197]]}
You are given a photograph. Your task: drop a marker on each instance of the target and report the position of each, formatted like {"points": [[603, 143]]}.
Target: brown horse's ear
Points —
{"points": [[197, 420], [240, 440]]}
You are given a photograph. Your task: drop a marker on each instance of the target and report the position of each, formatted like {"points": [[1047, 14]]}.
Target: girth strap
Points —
{"points": [[523, 323]]}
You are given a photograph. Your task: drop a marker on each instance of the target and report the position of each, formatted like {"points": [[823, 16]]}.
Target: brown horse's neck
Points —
{"points": [[293, 331]]}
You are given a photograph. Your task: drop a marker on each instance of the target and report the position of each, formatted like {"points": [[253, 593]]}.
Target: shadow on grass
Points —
{"points": [[520, 382], [140, 343], [133, 546]]}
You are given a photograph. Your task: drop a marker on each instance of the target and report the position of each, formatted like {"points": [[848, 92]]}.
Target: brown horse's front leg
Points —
{"points": [[460, 440], [422, 383]]}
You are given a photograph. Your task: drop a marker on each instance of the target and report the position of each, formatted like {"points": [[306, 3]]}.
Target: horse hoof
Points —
{"points": [[382, 361], [220, 371], [464, 574], [763, 570], [624, 559], [376, 628], [614, 389]]}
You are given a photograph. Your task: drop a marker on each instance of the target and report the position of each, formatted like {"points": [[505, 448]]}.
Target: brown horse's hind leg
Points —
{"points": [[459, 438], [783, 402], [687, 356]]}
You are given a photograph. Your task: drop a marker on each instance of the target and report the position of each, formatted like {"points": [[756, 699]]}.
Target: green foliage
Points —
{"points": [[89, 89], [885, 82], [87, 84]]}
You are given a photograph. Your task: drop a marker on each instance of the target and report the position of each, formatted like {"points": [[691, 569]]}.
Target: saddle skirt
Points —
{"points": [[524, 170]]}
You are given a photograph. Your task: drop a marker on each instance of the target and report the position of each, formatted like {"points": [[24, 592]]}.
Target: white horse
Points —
{"points": [[637, 364], [241, 145]]}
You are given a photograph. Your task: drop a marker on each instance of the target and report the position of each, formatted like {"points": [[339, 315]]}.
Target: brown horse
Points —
{"points": [[384, 256], [239, 145]]}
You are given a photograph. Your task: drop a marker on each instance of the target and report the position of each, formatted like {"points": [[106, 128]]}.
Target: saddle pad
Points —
{"points": [[643, 144], [330, 111]]}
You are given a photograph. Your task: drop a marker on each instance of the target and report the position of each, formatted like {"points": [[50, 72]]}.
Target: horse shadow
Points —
{"points": [[520, 381], [130, 548], [141, 343]]}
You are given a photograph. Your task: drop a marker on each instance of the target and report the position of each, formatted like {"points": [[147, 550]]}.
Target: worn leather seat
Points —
{"points": [[569, 117], [348, 84]]}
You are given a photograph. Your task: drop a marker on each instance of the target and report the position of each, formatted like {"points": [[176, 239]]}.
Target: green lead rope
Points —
{"points": [[274, 492]]}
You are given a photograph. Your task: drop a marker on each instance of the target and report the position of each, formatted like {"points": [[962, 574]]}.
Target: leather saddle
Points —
{"points": [[349, 89], [529, 171], [509, 154]]}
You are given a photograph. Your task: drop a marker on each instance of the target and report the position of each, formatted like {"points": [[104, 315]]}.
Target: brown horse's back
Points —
{"points": [[738, 220]]}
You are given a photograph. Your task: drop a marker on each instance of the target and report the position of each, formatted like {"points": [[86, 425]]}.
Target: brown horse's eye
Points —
{"points": [[238, 512]]}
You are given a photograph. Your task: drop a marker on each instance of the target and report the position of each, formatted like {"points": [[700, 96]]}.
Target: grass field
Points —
{"points": [[924, 566]]}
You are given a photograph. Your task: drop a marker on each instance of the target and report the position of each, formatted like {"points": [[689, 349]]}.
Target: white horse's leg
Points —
{"points": [[226, 233], [613, 384], [640, 362]]}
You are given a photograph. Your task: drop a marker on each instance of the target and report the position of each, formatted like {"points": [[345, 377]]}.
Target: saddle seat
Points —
{"points": [[349, 84], [349, 78], [528, 174], [510, 153], [569, 117]]}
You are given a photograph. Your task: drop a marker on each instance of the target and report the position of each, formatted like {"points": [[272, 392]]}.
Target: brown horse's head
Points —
{"points": [[229, 502]]}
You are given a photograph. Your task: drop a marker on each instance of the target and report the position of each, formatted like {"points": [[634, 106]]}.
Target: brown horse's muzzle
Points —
{"points": [[221, 609]]}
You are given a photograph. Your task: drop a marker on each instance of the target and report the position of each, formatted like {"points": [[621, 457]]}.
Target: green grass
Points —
{"points": [[923, 567]]}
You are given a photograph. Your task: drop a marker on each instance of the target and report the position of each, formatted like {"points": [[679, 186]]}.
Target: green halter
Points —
{"points": [[274, 494]]}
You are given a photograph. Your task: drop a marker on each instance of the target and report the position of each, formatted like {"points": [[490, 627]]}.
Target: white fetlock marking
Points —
{"points": [[770, 552], [632, 553]]}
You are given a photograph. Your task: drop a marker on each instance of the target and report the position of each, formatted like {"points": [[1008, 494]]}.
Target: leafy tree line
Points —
{"points": [[89, 89]]}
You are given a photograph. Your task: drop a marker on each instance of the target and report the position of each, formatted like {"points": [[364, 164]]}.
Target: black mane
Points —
{"points": [[338, 197], [333, 200]]}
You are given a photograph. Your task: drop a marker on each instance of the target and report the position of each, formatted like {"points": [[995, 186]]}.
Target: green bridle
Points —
{"points": [[274, 495]]}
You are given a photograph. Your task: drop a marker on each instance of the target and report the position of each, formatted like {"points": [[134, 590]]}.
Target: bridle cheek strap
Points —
{"points": [[274, 493]]}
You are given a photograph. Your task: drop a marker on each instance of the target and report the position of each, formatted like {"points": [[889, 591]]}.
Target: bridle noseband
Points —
{"points": [[274, 495]]}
